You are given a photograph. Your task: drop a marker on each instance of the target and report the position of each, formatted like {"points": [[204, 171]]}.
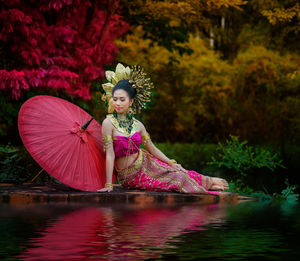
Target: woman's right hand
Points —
{"points": [[108, 189]]}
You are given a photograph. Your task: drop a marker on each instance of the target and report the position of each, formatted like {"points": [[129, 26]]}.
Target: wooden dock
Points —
{"points": [[30, 193]]}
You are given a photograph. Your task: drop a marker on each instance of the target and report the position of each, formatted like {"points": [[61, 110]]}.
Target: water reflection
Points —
{"points": [[114, 233]]}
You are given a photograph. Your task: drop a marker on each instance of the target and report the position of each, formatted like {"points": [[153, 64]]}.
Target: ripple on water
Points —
{"points": [[245, 231]]}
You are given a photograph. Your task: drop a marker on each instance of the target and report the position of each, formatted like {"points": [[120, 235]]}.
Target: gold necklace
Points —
{"points": [[124, 125], [125, 122]]}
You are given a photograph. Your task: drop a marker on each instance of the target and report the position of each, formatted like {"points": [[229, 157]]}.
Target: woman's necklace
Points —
{"points": [[124, 122]]}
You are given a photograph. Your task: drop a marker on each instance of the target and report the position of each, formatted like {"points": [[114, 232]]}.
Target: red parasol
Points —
{"points": [[64, 140]]}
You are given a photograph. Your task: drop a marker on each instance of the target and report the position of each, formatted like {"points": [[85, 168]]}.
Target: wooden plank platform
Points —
{"points": [[30, 193]]}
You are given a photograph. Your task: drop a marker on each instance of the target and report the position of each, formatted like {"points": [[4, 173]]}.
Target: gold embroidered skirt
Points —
{"points": [[149, 173]]}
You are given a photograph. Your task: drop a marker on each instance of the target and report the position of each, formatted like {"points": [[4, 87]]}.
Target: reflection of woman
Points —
{"points": [[127, 92], [91, 233]]}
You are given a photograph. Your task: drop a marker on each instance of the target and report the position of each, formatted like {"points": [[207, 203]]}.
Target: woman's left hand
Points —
{"points": [[179, 167]]}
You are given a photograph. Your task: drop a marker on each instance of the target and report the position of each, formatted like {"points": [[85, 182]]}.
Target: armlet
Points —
{"points": [[146, 139], [107, 141]]}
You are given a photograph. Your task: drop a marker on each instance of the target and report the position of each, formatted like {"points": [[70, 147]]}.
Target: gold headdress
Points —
{"points": [[137, 77]]}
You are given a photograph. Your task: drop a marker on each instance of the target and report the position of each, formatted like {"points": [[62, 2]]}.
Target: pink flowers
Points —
{"points": [[14, 81], [57, 44]]}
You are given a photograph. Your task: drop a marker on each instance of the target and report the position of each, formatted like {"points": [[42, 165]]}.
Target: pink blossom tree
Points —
{"points": [[57, 44]]}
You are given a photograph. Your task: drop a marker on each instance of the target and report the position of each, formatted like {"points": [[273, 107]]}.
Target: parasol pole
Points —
{"points": [[84, 126], [35, 177]]}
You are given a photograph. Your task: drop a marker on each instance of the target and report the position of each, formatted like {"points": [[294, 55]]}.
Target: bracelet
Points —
{"points": [[108, 185], [172, 161], [107, 141], [146, 139]]}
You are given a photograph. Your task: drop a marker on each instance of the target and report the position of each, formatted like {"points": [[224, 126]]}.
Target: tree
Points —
{"points": [[201, 97], [190, 95], [284, 17], [169, 23], [266, 95], [57, 44]]}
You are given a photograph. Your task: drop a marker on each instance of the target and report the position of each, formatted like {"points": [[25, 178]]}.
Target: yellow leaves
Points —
{"points": [[186, 7], [281, 15], [162, 10], [293, 75], [174, 11], [262, 74], [257, 89], [134, 47], [136, 50], [226, 3]]}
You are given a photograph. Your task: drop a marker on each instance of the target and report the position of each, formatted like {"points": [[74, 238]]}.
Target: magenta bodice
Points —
{"points": [[124, 145]]}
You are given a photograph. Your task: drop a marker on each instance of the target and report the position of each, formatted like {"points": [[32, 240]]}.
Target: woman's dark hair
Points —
{"points": [[126, 86]]}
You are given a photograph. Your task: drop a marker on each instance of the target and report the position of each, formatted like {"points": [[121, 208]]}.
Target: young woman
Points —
{"points": [[127, 92]]}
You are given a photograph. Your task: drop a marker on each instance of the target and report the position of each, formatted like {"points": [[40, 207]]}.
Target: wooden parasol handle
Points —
{"points": [[35, 177]]}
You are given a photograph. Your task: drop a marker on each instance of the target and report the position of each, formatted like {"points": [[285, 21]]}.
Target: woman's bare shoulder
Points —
{"points": [[106, 122], [140, 125]]}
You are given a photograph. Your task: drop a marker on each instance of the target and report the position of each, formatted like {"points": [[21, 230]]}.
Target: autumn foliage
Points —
{"points": [[219, 67], [241, 75], [57, 44]]}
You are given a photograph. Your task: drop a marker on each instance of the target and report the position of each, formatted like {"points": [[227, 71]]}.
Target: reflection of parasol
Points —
{"points": [[92, 233], [64, 140], [71, 237]]}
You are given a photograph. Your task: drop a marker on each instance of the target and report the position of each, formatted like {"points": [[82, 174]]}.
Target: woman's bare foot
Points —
{"points": [[219, 184]]}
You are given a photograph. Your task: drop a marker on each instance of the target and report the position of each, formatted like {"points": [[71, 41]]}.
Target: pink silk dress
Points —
{"points": [[149, 173]]}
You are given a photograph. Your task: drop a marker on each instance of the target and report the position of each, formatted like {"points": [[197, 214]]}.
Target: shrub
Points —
{"points": [[246, 162], [17, 166], [241, 157]]}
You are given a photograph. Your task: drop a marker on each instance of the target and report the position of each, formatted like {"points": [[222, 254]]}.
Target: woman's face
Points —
{"points": [[121, 101]]}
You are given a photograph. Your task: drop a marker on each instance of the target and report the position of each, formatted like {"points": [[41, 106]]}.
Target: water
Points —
{"points": [[248, 231]]}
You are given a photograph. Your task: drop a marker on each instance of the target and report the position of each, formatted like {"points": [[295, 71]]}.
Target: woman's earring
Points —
{"points": [[130, 112]]}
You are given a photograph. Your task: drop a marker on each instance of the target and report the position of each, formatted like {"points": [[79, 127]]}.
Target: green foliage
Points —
{"points": [[288, 193], [242, 157], [262, 197], [10, 165], [17, 166], [191, 156], [8, 114], [237, 186]]}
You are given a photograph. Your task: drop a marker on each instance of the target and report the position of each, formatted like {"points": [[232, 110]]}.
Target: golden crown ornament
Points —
{"points": [[139, 81]]}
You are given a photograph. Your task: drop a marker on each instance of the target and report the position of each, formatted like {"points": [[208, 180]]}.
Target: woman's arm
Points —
{"points": [[110, 154], [146, 140]]}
